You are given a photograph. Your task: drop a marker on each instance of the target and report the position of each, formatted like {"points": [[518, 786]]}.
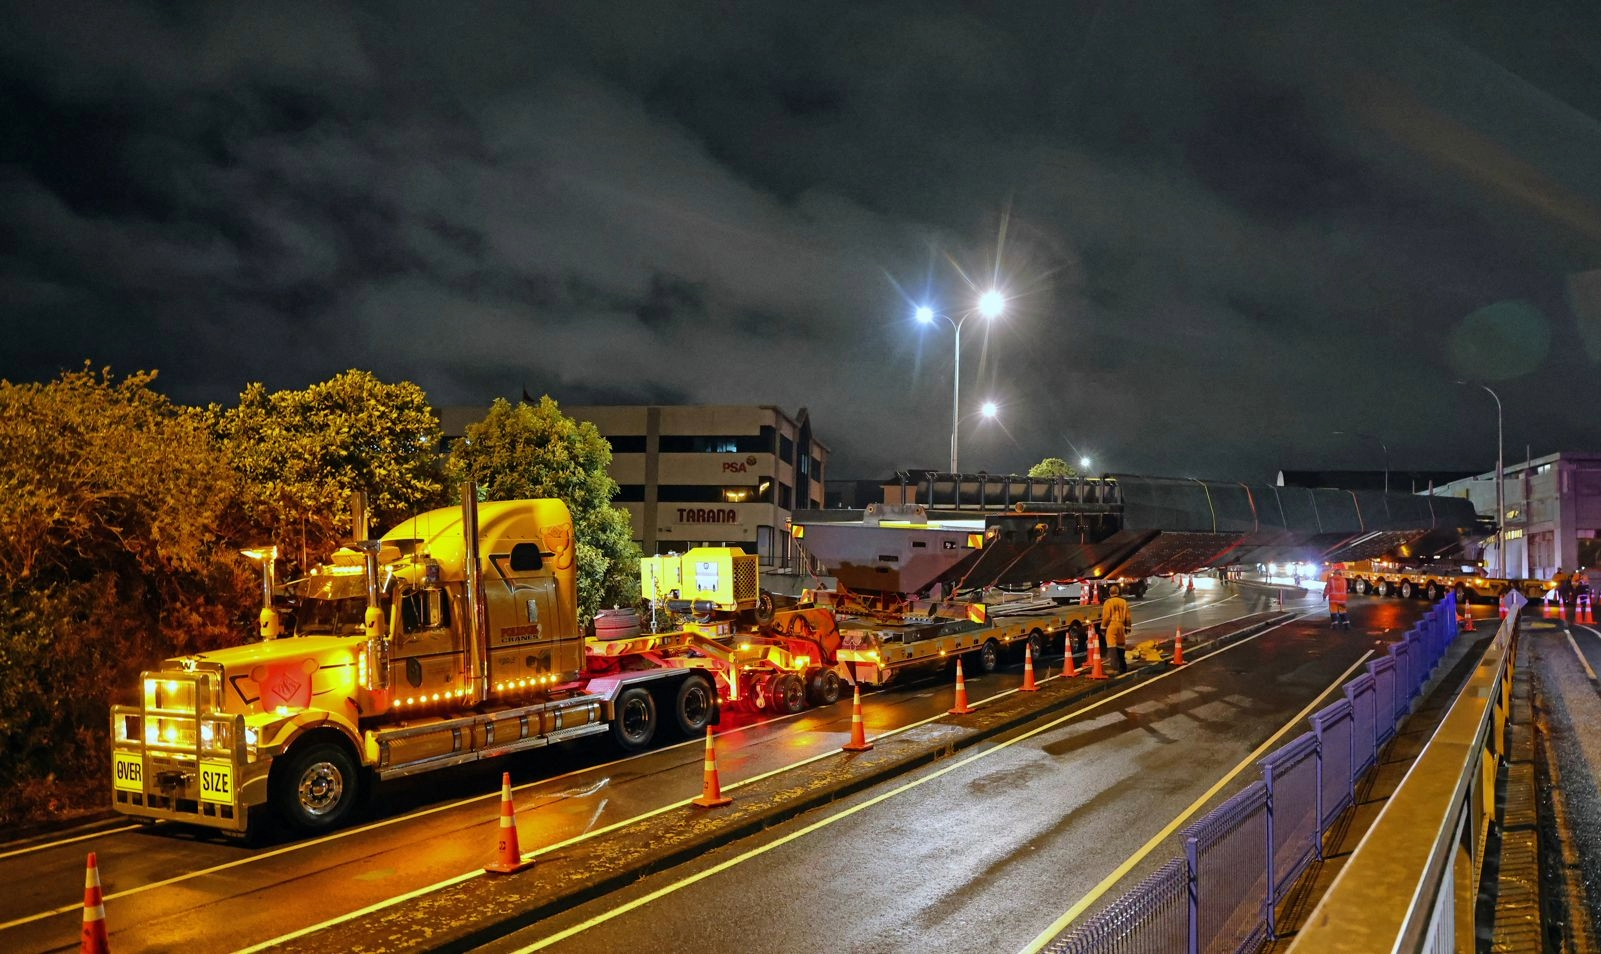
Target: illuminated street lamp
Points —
{"points": [[1084, 464], [1500, 494], [1381, 444], [990, 305]]}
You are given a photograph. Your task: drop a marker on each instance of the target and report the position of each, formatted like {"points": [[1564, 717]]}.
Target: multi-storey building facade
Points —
{"points": [[1552, 514], [718, 475]]}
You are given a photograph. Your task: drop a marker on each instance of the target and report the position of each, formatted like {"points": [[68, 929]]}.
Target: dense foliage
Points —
{"points": [[1052, 467], [533, 450], [116, 515], [300, 454]]}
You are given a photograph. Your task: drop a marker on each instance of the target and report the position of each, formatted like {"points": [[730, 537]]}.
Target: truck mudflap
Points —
{"points": [[173, 760]]}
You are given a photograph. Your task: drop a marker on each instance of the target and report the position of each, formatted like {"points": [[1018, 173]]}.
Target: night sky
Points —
{"points": [[1224, 231]]}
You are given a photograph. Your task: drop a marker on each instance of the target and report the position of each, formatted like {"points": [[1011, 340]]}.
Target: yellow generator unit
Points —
{"points": [[706, 579]]}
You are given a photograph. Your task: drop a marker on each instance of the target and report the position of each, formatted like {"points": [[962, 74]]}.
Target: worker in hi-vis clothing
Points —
{"points": [[1115, 626], [1335, 590]]}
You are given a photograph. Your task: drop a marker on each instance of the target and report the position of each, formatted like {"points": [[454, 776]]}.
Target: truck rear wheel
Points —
{"points": [[1406, 589], [1383, 589], [1361, 586], [315, 787], [634, 723], [1432, 591], [692, 707]]}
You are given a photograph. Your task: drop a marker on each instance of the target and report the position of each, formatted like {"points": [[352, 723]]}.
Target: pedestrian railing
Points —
{"points": [[1243, 857]]}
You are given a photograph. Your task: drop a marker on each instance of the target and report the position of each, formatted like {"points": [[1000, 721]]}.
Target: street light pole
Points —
{"points": [[1374, 437], [990, 305], [1500, 492]]}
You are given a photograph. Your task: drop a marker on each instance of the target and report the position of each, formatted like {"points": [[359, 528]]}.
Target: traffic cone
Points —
{"points": [[858, 742], [508, 856], [961, 707], [94, 912], [1178, 646], [1028, 671], [1189, 585], [1500, 604], [1096, 672], [711, 793], [1589, 614], [1068, 672]]}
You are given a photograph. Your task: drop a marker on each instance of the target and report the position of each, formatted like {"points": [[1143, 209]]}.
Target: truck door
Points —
{"points": [[428, 656], [525, 622]]}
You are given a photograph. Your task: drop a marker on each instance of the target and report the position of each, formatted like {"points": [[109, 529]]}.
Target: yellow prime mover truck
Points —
{"points": [[452, 638]]}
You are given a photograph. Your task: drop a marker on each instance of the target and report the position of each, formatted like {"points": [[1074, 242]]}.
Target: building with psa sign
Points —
{"points": [[704, 475]]}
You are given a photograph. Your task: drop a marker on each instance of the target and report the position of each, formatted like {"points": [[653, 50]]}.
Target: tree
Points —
{"points": [[528, 450], [116, 521], [300, 455], [1052, 467]]}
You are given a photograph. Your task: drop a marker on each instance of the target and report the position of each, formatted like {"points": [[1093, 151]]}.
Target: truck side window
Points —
{"points": [[525, 558], [424, 609]]}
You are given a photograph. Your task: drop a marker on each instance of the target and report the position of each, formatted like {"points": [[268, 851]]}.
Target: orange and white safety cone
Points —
{"points": [[1068, 670], [1028, 671], [1096, 671], [94, 911], [858, 742], [961, 707], [1178, 646], [1189, 585], [508, 855], [711, 793], [1589, 614]]}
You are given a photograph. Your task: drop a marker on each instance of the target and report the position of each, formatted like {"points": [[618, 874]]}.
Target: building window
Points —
{"points": [[786, 449], [713, 444], [630, 493], [627, 444], [786, 497]]}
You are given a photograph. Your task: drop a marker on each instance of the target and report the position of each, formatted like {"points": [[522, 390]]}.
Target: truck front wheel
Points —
{"points": [[693, 705], [634, 723], [316, 787]]}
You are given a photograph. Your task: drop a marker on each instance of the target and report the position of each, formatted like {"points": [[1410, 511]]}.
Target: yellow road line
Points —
{"points": [[1112, 879], [848, 812]]}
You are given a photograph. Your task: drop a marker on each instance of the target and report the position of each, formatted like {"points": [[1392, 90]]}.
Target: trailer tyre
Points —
{"points": [[1406, 589], [824, 688], [1361, 586], [1077, 636], [694, 704], [634, 724], [316, 787], [789, 694], [1432, 591], [988, 657], [1383, 589], [1036, 645], [1463, 598]]}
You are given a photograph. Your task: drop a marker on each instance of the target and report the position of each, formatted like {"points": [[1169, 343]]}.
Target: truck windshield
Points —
{"points": [[321, 617], [329, 605]]}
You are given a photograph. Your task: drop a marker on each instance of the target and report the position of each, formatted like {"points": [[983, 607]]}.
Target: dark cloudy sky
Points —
{"points": [[1224, 230]]}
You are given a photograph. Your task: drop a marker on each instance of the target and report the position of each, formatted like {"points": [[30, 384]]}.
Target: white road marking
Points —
{"points": [[1588, 670], [848, 812], [1112, 879]]}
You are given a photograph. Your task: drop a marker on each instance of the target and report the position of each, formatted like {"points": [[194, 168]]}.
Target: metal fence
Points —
{"points": [[1242, 858]]}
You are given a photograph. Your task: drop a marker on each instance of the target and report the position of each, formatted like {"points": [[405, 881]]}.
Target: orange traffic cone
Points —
{"points": [[961, 707], [858, 742], [1028, 671], [1068, 672], [1095, 594], [94, 912], [1096, 672], [1589, 615], [1178, 646], [1189, 585], [711, 793], [1501, 605], [508, 856]]}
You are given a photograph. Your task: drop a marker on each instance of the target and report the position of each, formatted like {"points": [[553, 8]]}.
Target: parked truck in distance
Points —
{"points": [[1432, 579]]}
